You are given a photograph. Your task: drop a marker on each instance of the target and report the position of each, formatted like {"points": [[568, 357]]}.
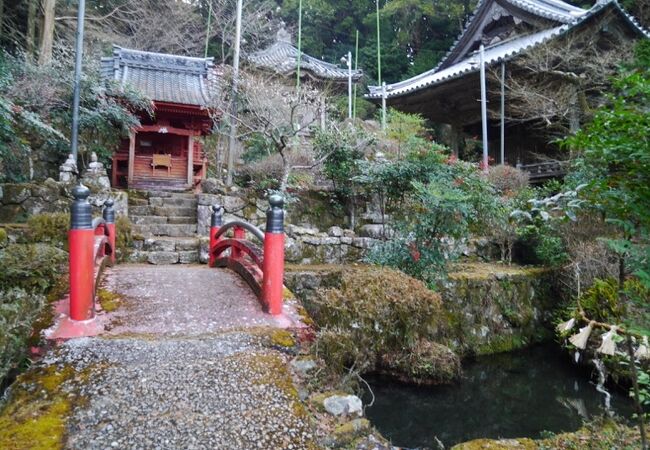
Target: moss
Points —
{"points": [[124, 238], [379, 318], [501, 344], [346, 433], [109, 301], [3, 237], [282, 338], [599, 434], [35, 416], [501, 444], [50, 228]]}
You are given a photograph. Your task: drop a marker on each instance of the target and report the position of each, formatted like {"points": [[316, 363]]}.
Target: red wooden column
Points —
{"points": [[81, 240], [273, 263]]}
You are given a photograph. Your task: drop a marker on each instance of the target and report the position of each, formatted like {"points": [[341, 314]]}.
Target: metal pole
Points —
{"points": [[503, 112], [207, 33], [484, 109], [378, 47], [383, 106], [356, 67], [232, 140], [349, 85], [77, 80], [299, 46]]}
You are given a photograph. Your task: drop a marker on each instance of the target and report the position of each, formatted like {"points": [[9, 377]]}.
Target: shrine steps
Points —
{"points": [[159, 184], [165, 227]]}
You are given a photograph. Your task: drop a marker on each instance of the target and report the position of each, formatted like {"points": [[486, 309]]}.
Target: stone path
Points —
{"points": [[189, 361]]}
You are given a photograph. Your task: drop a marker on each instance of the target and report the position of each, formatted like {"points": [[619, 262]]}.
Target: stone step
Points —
{"points": [[175, 211], [139, 210], [172, 230], [180, 201], [147, 220], [155, 220], [165, 257], [177, 220], [138, 201], [170, 244]]}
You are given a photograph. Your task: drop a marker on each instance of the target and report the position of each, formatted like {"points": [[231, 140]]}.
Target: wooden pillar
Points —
{"points": [[190, 160], [131, 157]]}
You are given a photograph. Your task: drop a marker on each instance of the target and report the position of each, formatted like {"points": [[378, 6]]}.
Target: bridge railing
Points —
{"points": [[262, 269], [91, 245]]}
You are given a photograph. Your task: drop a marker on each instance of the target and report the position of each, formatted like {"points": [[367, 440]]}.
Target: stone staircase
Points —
{"points": [[165, 226]]}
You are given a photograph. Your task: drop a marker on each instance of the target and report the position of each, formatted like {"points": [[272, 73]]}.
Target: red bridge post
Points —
{"points": [[109, 217], [81, 239], [215, 224], [273, 263]]}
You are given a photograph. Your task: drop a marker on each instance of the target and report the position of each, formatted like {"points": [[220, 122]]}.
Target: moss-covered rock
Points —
{"points": [[49, 228], [4, 238], [123, 238], [374, 318], [18, 311], [600, 434], [346, 433], [495, 308]]}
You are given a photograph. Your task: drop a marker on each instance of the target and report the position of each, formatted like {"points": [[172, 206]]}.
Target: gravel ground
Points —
{"points": [[225, 392], [172, 372]]}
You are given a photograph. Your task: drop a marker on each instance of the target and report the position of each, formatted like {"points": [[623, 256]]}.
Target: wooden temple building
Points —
{"points": [[165, 150], [450, 93]]}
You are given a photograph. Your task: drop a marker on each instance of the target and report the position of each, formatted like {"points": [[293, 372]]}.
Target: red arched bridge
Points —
{"points": [[92, 246]]}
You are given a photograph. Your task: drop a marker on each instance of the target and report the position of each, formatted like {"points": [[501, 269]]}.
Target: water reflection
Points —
{"points": [[512, 395]]}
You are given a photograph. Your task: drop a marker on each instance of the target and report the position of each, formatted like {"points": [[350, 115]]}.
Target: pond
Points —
{"points": [[519, 394]]}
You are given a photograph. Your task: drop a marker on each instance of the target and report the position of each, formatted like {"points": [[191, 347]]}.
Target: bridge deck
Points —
{"points": [[187, 300], [189, 361]]}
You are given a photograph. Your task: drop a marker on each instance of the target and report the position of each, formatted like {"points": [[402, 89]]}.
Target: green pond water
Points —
{"points": [[519, 394]]}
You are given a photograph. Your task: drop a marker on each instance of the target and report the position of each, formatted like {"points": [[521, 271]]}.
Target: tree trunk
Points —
{"points": [[2, 16], [47, 37], [30, 36]]}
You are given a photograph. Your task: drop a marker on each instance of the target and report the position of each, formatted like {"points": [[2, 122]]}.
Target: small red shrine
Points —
{"points": [[165, 151]]}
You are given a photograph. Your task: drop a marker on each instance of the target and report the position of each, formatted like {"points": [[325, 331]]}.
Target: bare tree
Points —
{"points": [[271, 108], [47, 33], [175, 26], [556, 86]]}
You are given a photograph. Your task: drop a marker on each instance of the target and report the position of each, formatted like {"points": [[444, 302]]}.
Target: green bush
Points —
{"points": [[380, 318], [32, 267], [49, 228], [18, 311]]}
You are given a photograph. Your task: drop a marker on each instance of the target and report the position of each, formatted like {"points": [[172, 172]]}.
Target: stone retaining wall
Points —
{"points": [[490, 308], [19, 201]]}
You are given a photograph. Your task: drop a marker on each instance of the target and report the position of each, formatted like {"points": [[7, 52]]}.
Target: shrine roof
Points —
{"points": [[161, 77], [458, 64], [282, 57]]}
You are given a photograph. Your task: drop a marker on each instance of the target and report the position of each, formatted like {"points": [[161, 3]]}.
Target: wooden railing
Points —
{"points": [[544, 170], [261, 268]]}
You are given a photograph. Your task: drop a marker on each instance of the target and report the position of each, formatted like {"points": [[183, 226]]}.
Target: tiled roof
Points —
{"points": [[282, 57], [551, 9], [161, 77], [501, 51]]}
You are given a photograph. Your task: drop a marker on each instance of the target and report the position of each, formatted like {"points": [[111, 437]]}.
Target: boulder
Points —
{"points": [[338, 405]]}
